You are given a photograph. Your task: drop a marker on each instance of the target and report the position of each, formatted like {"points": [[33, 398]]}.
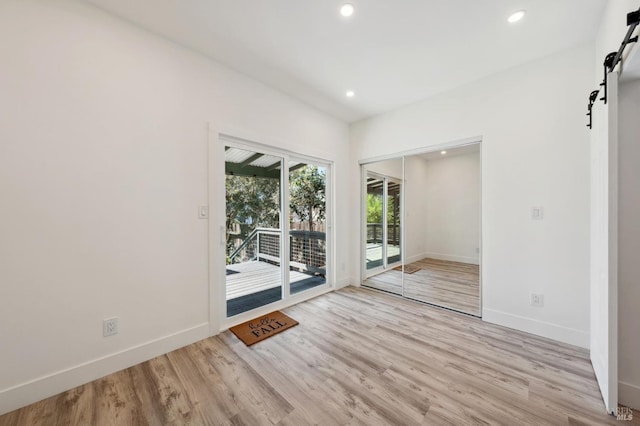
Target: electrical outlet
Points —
{"points": [[537, 300], [110, 327]]}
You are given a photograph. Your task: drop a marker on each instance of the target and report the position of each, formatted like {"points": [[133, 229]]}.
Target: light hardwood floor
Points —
{"points": [[358, 357], [453, 285]]}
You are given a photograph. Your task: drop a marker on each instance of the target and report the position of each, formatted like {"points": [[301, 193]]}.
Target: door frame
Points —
{"points": [[218, 138], [385, 225]]}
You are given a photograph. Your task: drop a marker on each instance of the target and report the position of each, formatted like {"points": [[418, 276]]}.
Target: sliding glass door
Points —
{"points": [[307, 225], [383, 248], [270, 196], [254, 233]]}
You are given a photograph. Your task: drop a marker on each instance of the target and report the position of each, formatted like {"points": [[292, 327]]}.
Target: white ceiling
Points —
{"points": [[391, 52]]}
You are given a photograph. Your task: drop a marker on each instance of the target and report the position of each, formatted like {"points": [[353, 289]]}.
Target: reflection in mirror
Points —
{"points": [[442, 196], [383, 226], [375, 191]]}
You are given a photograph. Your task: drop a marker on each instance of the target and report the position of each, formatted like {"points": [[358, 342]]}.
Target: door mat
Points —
{"points": [[261, 328], [408, 269]]}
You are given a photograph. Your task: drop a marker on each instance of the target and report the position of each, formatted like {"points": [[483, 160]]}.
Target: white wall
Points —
{"points": [[103, 162], [629, 244], [452, 194], [535, 153]]}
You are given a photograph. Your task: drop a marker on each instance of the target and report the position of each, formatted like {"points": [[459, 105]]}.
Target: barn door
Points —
{"points": [[604, 244]]}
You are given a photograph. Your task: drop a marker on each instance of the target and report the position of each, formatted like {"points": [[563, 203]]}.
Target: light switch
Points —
{"points": [[203, 212], [537, 213]]}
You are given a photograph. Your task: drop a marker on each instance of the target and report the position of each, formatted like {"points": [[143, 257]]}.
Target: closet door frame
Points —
{"points": [[402, 155]]}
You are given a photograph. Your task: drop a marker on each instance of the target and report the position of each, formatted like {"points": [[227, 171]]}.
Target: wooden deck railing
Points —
{"points": [[375, 235]]}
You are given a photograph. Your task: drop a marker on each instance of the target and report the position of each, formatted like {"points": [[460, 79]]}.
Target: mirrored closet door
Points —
{"points": [[438, 216], [382, 226]]}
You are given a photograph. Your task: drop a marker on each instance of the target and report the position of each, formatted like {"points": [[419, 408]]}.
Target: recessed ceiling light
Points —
{"points": [[347, 10], [350, 94], [516, 16], [443, 152]]}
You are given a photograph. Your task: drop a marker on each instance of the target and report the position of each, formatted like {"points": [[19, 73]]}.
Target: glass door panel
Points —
{"points": [[254, 231], [393, 223], [307, 226], [383, 226], [375, 225]]}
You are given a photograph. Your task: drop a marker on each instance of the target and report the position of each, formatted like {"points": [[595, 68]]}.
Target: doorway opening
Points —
{"points": [[276, 227]]}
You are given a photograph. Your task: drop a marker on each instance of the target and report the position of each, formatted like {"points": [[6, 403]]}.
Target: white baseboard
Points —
{"points": [[537, 327], [629, 395], [453, 258], [415, 258], [343, 282], [52, 384]]}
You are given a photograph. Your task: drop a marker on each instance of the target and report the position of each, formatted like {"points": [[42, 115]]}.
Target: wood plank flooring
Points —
{"points": [[453, 285], [358, 357]]}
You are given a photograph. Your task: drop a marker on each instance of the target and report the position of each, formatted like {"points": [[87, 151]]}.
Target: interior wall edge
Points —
{"points": [[343, 282], [417, 257], [52, 384], [541, 328]]}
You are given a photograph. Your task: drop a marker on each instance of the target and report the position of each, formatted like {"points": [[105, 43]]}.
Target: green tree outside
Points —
{"points": [[307, 194], [254, 202]]}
